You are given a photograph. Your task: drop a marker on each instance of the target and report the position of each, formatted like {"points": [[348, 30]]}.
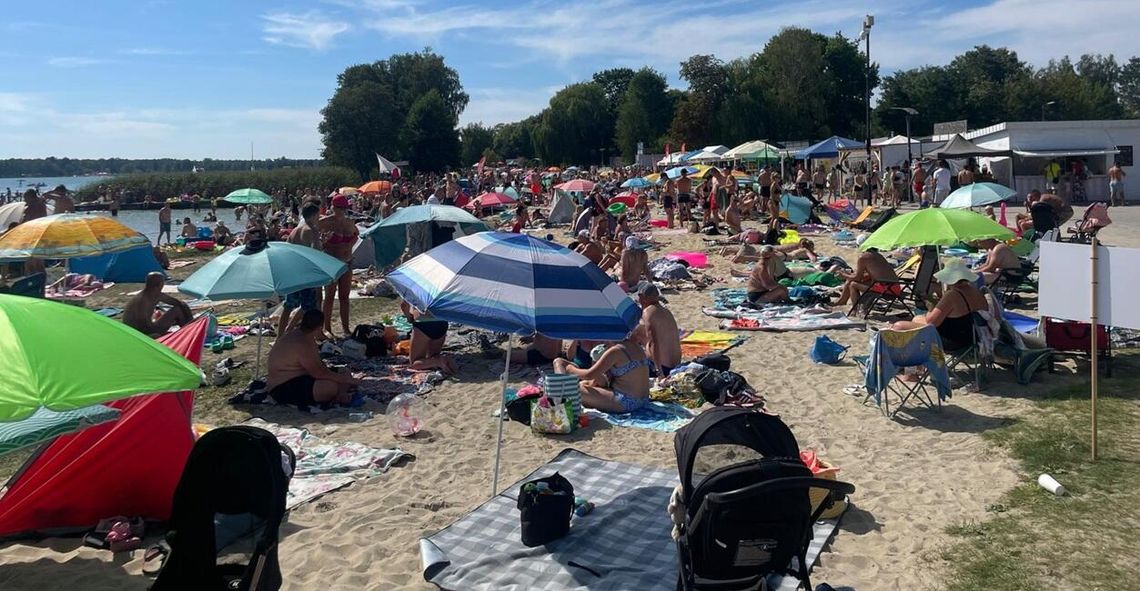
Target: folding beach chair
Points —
{"points": [[972, 357], [1009, 348], [885, 368], [866, 213], [884, 296]]}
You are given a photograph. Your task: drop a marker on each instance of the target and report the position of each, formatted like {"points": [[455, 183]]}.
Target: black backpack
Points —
{"points": [[373, 338]]}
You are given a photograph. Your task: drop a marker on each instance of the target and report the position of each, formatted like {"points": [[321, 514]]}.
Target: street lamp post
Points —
{"points": [[908, 111], [1043, 108], [868, 22]]}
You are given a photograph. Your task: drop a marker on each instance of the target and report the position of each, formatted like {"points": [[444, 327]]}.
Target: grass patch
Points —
{"points": [[1086, 540]]}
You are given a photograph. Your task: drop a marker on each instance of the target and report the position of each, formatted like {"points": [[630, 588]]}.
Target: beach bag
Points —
{"points": [[821, 468], [552, 417], [718, 387], [373, 338], [717, 361], [518, 403], [562, 387], [545, 506], [827, 351]]}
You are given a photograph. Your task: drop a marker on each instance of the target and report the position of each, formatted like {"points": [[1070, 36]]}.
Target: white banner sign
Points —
{"points": [[1065, 283]]}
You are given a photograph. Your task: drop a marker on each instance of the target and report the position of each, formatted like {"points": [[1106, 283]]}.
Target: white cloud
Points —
{"points": [[309, 30], [145, 51], [491, 106], [74, 62]]}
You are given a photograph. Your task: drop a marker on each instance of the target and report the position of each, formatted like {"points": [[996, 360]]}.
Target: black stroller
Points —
{"points": [[232, 471], [747, 509]]}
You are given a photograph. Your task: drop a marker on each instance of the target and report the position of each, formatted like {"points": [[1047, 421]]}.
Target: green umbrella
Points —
{"points": [[248, 197], [935, 227], [64, 357], [45, 425]]}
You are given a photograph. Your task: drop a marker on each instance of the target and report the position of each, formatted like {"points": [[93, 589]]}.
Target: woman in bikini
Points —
{"points": [[428, 337], [626, 366], [339, 236]]}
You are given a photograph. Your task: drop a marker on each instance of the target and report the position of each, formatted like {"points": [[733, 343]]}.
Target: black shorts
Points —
{"points": [[667, 201], [433, 329], [683, 198], [765, 190], [534, 357], [820, 186], [297, 391]]}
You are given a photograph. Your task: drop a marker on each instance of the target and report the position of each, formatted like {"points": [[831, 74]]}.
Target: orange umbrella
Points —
{"points": [[376, 187]]}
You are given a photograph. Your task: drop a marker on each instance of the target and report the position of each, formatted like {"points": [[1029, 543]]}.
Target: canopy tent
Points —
{"points": [[828, 148], [739, 152], [128, 266], [898, 140], [128, 467], [705, 157], [685, 157], [958, 148], [389, 237]]}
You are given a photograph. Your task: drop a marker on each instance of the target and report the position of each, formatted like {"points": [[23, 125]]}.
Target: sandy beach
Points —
{"points": [[914, 476]]}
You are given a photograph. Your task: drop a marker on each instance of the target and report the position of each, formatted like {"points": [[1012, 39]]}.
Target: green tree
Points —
{"points": [[430, 140], [1077, 96], [614, 83], [694, 115], [791, 65], [644, 113], [984, 79], [573, 128], [513, 140], [476, 140], [1129, 84]]}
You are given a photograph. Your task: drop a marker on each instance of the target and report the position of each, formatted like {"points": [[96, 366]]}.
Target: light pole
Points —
{"points": [[1043, 108], [868, 22], [909, 184]]}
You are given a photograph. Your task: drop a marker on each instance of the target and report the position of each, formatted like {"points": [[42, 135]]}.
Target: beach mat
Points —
{"points": [[624, 543], [665, 417], [695, 343], [1020, 322]]}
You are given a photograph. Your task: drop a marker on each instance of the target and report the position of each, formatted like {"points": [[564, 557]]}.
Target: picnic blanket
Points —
{"points": [[729, 298], [665, 417], [624, 543], [324, 466], [695, 343], [782, 319]]}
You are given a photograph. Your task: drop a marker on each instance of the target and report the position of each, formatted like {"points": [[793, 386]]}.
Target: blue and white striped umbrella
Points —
{"points": [[518, 284], [636, 183]]}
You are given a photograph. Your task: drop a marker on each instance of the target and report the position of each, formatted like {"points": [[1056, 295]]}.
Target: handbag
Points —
{"points": [[552, 417], [562, 387], [827, 351], [545, 506]]}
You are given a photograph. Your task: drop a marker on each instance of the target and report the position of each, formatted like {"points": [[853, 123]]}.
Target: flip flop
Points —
{"points": [[154, 558]]}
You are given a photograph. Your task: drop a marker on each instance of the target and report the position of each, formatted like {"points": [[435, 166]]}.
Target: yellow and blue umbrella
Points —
{"points": [[68, 235]]}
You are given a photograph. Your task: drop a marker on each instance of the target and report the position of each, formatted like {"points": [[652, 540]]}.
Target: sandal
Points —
{"points": [[154, 558]]}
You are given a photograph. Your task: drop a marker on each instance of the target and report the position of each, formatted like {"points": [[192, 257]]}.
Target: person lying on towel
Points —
{"points": [[139, 313], [541, 351], [296, 374], [626, 366]]}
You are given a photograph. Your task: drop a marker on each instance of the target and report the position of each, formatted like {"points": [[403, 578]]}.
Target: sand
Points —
{"points": [[914, 476]]}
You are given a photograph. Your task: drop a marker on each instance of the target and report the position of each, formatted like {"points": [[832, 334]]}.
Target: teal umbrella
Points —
{"points": [[248, 197], [977, 195], [45, 425], [636, 183], [390, 236]]}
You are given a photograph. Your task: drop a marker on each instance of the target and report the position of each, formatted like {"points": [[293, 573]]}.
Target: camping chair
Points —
{"points": [[1009, 347], [748, 515], [1044, 219], [877, 220], [30, 286], [971, 356], [892, 352], [866, 213], [884, 296], [232, 471]]}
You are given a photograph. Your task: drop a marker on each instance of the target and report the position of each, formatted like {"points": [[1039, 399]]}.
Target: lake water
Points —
{"points": [[73, 183]]}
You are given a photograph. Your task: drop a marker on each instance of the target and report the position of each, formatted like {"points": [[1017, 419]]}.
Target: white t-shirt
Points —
{"points": [[942, 179]]}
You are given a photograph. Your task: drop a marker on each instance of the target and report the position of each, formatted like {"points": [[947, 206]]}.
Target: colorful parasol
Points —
{"points": [[68, 235]]}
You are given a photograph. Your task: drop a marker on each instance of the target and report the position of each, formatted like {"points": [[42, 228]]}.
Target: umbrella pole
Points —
{"points": [[502, 409]]}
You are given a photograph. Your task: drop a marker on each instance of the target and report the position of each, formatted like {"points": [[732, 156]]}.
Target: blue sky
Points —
{"points": [[205, 78]]}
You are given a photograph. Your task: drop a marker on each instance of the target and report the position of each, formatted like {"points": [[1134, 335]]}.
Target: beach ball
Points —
{"points": [[404, 415]]}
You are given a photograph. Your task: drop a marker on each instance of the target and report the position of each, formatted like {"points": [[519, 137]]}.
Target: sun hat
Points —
{"points": [[340, 202], [955, 271]]}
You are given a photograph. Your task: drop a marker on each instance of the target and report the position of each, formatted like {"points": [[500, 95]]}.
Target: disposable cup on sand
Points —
{"points": [[1050, 484]]}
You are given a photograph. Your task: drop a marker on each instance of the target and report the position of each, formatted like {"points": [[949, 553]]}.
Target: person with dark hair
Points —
{"points": [[139, 311], [305, 234], [34, 206], [296, 374], [340, 236], [429, 335]]}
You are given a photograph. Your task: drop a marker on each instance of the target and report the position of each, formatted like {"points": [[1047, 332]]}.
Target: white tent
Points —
{"points": [[744, 149], [562, 210], [705, 156], [671, 159], [718, 150]]}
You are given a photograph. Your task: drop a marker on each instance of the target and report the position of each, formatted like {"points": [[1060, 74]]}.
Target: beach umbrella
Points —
{"points": [[68, 235], [636, 183], [654, 178], [675, 173], [347, 190], [935, 227], [64, 357], [376, 187], [390, 237], [248, 197], [576, 185], [629, 198], [977, 195], [518, 284], [45, 425], [508, 191], [262, 270], [494, 200], [13, 213]]}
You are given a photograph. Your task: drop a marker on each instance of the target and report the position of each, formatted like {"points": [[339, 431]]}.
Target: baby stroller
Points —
{"points": [[1095, 218], [232, 472], [747, 511]]}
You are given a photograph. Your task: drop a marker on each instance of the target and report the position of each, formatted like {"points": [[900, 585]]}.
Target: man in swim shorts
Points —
{"points": [[658, 330], [296, 374], [684, 196]]}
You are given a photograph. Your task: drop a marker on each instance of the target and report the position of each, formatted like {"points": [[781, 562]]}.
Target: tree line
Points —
{"points": [[55, 167]]}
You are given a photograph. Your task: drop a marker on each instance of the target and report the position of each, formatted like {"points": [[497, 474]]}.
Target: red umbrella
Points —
{"points": [[494, 199], [629, 198], [578, 185]]}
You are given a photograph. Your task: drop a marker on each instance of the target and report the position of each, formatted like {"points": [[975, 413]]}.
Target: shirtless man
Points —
{"points": [[668, 197], [658, 330], [684, 196], [296, 374], [541, 351], [305, 234], [1116, 185], [1000, 257], [164, 224], [588, 248], [835, 184], [634, 264], [918, 179], [802, 179], [732, 217], [965, 176], [139, 311], [869, 268], [763, 285], [34, 206], [764, 179], [819, 181], [63, 202]]}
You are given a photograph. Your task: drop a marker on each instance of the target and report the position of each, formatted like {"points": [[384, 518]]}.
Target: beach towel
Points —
{"points": [[109, 312], [812, 279], [665, 417], [179, 263], [695, 343], [729, 298], [1020, 322], [782, 319], [891, 351], [624, 543], [324, 466]]}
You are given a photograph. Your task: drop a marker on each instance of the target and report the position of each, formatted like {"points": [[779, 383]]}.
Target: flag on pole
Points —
{"points": [[386, 166], [667, 152]]}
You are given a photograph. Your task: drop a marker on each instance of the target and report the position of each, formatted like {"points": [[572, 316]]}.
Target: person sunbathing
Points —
{"points": [[139, 311], [222, 234], [586, 247], [951, 317], [732, 216], [541, 351], [626, 366], [804, 250], [763, 281], [1000, 258], [428, 337], [296, 374], [658, 330], [871, 266], [634, 264]]}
